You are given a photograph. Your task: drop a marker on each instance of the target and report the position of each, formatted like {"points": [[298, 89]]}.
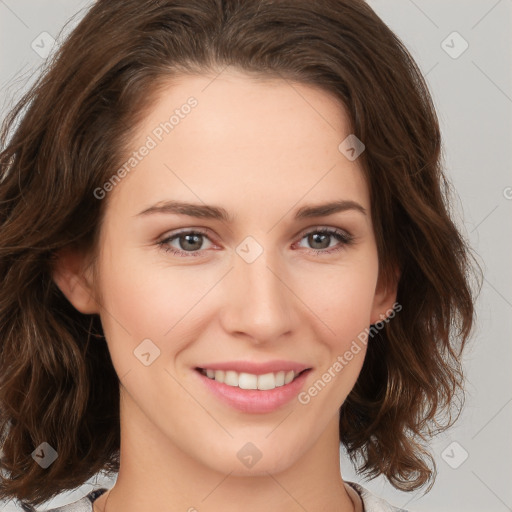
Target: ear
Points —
{"points": [[385, 297], [72, 273]]}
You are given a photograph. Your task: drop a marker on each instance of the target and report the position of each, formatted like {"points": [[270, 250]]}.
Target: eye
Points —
{"points": [[189, 243], [320, 240]]}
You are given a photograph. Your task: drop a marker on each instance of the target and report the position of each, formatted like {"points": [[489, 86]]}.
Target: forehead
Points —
{"points": [[243, 140]]}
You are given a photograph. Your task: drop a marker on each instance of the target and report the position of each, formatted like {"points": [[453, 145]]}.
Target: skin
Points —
{"points": [[261, 149]]}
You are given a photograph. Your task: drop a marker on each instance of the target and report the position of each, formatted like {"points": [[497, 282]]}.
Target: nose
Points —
{"points": [[257, 300]]}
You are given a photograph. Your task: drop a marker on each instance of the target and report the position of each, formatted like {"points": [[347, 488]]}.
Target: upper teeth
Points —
{"points": [[251, 381]]}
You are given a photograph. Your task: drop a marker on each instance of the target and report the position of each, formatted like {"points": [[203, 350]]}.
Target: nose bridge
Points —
{"points": [[258, 303]]}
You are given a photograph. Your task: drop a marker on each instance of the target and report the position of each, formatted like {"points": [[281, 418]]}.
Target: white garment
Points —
{"points": [[371, 503]]}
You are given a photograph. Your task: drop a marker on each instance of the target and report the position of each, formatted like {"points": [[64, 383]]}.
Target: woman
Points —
{"points": [[226, 249]]}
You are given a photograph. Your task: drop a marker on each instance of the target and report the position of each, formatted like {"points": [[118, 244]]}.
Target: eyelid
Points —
{"points": [[320, 228], [300, 234]]}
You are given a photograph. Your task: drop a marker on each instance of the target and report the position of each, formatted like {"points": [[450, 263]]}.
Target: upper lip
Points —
{"points": [[256, 368]]}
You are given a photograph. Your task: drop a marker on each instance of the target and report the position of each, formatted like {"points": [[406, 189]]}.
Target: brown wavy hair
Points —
{"points": [[74, 127]]}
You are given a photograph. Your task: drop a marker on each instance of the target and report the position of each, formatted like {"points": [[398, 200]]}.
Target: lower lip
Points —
{"points": [[254, 400]]}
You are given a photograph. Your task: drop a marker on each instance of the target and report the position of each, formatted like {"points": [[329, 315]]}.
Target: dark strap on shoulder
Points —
{"points": [[27, 508], [96, 494]]}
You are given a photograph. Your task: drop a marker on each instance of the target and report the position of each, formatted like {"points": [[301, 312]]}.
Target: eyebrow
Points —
{"points": [[218, 213]]}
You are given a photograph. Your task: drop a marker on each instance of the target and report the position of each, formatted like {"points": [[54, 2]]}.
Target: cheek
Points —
{"points": [[343, 303], [144, 298], [342, 297]]}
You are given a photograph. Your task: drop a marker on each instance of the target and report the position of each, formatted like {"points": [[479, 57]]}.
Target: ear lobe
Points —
{"points": [[73, 275], [385, 298]]}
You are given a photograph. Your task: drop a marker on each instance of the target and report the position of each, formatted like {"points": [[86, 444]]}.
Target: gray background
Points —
{"points": [[473, 96]]}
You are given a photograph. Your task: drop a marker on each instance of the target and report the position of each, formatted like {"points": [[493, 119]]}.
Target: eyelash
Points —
{"points": [[345, 239]]}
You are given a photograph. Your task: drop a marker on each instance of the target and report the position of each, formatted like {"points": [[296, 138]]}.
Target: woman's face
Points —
{"points": [[249, 289]]}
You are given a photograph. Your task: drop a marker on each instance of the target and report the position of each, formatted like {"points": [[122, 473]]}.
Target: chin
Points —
{"points": [[252, 461]]}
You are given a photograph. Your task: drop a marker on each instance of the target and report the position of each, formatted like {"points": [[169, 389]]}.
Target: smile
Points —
{"points": [[245, 380], [255, 393]]}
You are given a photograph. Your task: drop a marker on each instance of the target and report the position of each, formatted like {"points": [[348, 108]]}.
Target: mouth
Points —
{"points": [[254, 393], [244, 380]]}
